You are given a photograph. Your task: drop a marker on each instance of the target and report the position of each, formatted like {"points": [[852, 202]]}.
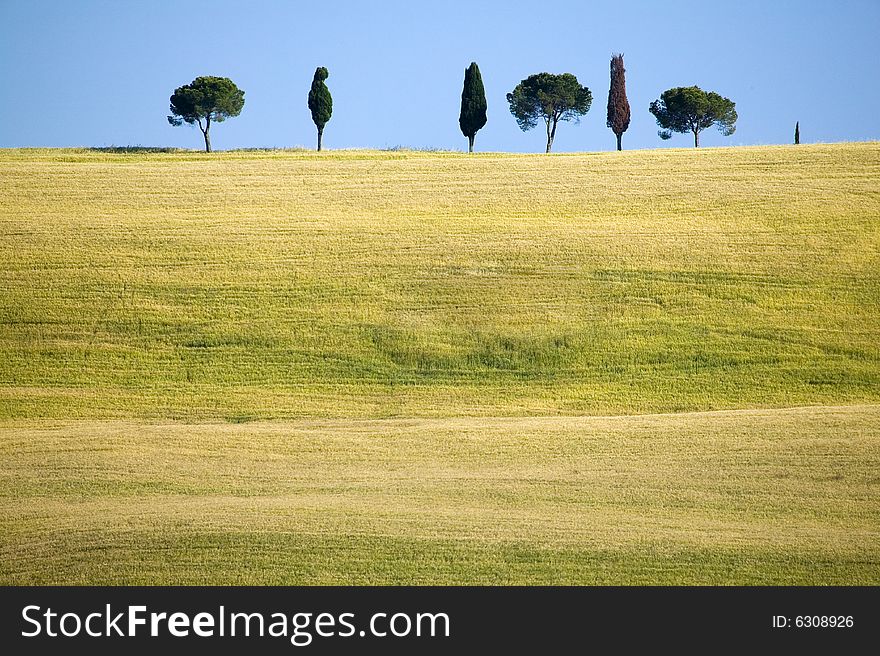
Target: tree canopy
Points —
{"points": [[618, 105], [320, 101], [473, 104], [551, 98], [205, 100], [690, 109]]}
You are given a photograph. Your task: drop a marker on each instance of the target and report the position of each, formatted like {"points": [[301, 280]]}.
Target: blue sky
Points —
{"points": [[99, 73]]}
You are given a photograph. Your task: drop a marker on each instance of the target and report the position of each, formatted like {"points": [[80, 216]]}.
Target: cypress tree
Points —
{"points": [[797, 133], [473, 104], [618, 105], [320, 102]]}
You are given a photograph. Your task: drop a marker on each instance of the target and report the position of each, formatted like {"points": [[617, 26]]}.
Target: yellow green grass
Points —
{"points": [[392, 366], [753, 497], [269, 286]]}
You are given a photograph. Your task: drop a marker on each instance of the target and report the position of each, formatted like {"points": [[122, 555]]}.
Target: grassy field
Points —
{"points": [[753, 497], [265, 286], [401, 367]]}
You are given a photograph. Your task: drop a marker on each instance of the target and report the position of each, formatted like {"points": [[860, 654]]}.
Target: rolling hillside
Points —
{"points": [[288, 367]]}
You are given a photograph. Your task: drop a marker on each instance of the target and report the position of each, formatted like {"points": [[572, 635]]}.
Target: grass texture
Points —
{"points": [[361, 284], [750, 497], [421, 367]]}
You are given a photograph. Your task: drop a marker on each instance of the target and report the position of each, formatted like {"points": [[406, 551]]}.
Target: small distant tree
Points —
{"points": [[473, 104], [690, 109], [551, 98], [320, 102], [797, 133], [206, 100], [618, 105]]}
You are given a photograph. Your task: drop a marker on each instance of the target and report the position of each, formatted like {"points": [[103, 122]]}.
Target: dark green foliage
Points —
{"points": [[473, 104], [205, 100], [320, 101], [550, 97], [690, 109], [797, 133], [618, 105]]}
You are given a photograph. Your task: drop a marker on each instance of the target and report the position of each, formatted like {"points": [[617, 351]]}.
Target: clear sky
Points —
{"points": [[99, 73]]}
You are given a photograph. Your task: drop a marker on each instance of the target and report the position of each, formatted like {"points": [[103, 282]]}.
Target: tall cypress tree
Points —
{"points": [[473, 104], [618, 105], [797, 133], [320, 101]]}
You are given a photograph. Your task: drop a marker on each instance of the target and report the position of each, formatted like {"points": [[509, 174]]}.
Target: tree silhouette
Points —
{"points": [[473, 104], [690, 109], [618, 105], [205, 100], [551, 98], [320, 101], [797, 133]]}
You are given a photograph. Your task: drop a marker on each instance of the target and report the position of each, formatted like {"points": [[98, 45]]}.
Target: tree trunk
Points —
{"points": [[471, 143], [206, 132], [320, 134], [619, 139], [551, 134], [696, 139]]}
